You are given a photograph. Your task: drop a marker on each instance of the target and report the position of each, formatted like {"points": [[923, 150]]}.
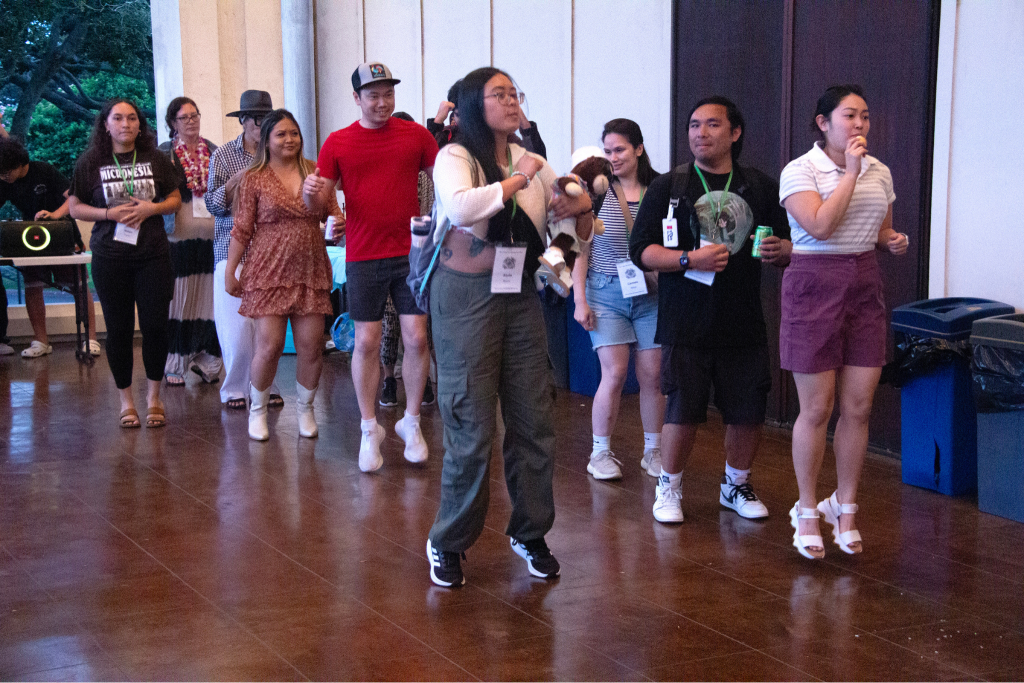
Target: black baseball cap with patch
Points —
{"points": [[372, 72]]}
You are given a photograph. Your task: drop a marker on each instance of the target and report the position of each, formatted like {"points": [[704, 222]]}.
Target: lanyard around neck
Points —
{"points": [[721, 199], [129, 184], [515, 206]]}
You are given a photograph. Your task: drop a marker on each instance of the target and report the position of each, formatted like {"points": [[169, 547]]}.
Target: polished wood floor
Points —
{"points": [[191, 552]]}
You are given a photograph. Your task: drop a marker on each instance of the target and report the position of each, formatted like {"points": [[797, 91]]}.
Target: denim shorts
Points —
{"points": [[619, 320]]}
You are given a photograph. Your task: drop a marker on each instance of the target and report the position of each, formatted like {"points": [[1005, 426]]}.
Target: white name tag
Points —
{"points": [[123, 233], [631, 279], [705, 277], [507, 276], [670, 232], [199, 209]]}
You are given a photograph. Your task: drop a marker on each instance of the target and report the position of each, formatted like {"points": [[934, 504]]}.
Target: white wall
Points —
{"points": [[977, 240], [428, 44]]}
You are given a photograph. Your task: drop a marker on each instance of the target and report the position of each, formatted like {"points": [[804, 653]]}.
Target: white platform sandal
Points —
{"points": [[832, 510], [802, 543]]}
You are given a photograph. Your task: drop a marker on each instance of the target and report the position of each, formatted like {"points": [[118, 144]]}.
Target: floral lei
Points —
{"points": [[197, 168]]}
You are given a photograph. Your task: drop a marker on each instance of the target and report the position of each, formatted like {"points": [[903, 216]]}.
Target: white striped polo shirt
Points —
{"points": [[858, 231], [613, 246]]}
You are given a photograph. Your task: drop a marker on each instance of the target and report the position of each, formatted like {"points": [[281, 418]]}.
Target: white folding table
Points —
{"points": [[78, 288]]}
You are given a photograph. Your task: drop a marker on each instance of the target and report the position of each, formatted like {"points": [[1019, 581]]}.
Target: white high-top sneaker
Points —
{"points": [[304, 408], [258, 429]]}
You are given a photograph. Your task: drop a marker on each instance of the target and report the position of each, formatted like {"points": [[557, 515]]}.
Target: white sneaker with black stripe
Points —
{"points": [[742, 499]]}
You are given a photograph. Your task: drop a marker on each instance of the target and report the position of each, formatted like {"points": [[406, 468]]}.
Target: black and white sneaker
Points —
{"points": [[445, 567], [428, 394], [389, 392], [742, 499], [538, 558]]}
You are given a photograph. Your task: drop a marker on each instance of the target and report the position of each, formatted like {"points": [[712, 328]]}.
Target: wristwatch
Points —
{"points": [[684, 261]]}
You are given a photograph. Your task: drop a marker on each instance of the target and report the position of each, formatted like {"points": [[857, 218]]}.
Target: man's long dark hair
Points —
{"points": [[101, 149], [473, 133]]}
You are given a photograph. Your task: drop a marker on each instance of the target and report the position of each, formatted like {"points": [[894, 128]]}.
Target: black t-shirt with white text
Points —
{"points": [[100, 184], [728, 314]]}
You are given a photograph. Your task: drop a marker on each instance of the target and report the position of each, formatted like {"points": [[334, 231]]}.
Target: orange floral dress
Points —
{"points": [[286, 270]]}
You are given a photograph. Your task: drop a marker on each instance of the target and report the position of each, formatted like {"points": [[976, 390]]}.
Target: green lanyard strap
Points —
{"points": [[129, 185], [514, 204], [721, 199]]}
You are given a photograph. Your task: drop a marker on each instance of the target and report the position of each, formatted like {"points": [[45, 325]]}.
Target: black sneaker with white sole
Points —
{"points": [[389, 392], [428, 394], [538, 558], [445, 567]]}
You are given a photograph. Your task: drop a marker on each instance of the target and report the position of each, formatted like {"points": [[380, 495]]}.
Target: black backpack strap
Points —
{"points": [[684, 209]]}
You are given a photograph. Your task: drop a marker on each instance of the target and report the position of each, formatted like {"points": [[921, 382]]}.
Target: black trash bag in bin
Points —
{"points": [[998, 379], [918, 356]]}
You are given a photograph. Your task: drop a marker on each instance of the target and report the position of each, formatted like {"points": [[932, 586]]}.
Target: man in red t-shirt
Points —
{"points": [[376, 162]]}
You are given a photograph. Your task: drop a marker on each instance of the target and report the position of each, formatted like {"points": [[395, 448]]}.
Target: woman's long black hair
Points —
{"points": [[473, 133], [101, 148], [630, 130]]}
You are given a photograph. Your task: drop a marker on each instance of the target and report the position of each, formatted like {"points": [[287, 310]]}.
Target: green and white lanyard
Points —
{"points": [[129, 182], [721, 198]]}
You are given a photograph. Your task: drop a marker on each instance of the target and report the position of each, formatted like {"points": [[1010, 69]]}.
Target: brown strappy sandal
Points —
{"points": [[130, 419], [155, 417]]}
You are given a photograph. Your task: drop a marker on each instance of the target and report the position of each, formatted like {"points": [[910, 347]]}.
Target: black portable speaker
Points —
{"points": [[37, 238]]}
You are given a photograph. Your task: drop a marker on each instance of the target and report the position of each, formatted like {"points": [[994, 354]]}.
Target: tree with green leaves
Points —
{"points": [[51, 49]]}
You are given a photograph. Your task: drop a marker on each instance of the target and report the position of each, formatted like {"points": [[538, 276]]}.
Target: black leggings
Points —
{"points": [[121, 285]]}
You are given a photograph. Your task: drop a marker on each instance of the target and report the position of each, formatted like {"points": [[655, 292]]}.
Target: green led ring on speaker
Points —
{"points": [[24, 238]]}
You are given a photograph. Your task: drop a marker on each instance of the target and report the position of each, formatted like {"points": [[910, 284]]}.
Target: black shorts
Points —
{"points": [[370, 282], [48, 276], [741, 378]]}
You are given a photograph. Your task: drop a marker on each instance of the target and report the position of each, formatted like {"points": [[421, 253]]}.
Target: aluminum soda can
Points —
{"points": [[759, 234], [420, 226], [329, 229]]}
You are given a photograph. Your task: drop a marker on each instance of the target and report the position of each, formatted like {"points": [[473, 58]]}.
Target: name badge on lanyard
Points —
{"points": [[199, 209], [122, 232], [507, 275], [631, 279], [126, 234], [670, 227]]}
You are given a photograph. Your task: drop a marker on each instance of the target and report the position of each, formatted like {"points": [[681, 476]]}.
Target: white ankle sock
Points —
{"points": [[652, 441], [674, 480], [368, 426], [737, 476], [411, 418], [601, 443]]}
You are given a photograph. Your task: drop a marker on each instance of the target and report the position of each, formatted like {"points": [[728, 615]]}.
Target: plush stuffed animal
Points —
{"points": [[591, 173]]}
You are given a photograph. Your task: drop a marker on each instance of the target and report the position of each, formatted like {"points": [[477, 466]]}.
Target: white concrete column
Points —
{"points": [[167, 64], [297, 47]]}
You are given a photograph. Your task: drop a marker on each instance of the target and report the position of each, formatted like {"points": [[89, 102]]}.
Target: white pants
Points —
{"points": [[237, 335]]}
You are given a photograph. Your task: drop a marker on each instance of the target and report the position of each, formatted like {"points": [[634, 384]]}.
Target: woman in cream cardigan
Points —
{"points": [[489, 330]]}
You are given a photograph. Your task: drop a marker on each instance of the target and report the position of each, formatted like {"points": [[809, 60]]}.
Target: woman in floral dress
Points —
{"points": [[286, 275]]}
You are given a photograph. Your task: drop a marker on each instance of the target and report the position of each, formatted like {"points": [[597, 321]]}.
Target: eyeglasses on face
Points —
{"points": [[258, 120], [507, 97], [188, 118]]}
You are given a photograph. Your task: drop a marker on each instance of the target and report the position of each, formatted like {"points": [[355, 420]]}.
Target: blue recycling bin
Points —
{"points": [[584, 365], [999, 389], [939, 425]]}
